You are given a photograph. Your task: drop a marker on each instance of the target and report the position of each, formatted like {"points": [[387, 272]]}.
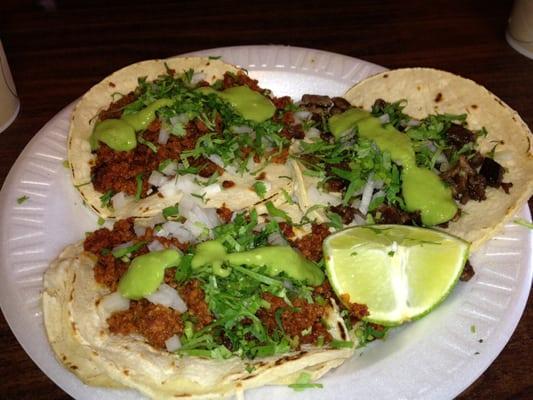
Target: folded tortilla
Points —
{"points": [[431, 91], [98, 98], [77, 330]]}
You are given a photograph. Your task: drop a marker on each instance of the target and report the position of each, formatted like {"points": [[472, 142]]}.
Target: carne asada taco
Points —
{"points": [[137, 307], [156, 129], [418, 147]]}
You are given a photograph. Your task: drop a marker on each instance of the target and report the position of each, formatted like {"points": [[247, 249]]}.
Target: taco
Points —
{"points": [[203, 328], [156, 129], [419, 147]]}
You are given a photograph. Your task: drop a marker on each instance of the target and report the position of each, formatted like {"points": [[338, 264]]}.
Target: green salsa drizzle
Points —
{"points": [[422, 189]]}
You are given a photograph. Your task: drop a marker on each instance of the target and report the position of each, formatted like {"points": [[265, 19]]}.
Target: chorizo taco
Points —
{"points": [[137, 307], [156, 129], [416, 146]]}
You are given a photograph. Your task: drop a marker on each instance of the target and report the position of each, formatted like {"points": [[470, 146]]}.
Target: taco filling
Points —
{"points": [[245, 292], [179, 125], [387, 167]]}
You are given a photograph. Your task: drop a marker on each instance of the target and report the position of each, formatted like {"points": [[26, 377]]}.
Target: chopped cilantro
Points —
{"points": [[124, 251], [473, 328], [66, 164], [523, 222], [171, 211], [304, 382], [341, 344], [22, 199], [215, 57], [273, 211], [335, 220], [260, 189], [100, 221], [147, 143], [105, 199]]}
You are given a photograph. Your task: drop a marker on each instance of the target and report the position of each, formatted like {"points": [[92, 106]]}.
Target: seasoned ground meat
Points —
{"points": [[296, 320], [193, 294], [386, 214], [118, 170], [356, 311], [108, 271], [465, 182], [458, 136], [325, 290], [106, 239], [240, 79], [311, 244], [155, 322], [286, 230], [280, 157], [347, 213], [170, 277], [224, 214], [206, 167], [282, 102], [115, 109], [293, 132], [468, 272]]}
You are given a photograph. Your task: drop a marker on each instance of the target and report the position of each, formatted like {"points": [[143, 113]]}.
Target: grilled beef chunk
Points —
{"points": [[346, 213], [468, 272], [316, 100], [386, 214], [465, 182], [492, 172], [458, 136]]}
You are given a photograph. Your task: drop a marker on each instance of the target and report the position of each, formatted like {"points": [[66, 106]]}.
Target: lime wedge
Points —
{"points": [[400, 272]]}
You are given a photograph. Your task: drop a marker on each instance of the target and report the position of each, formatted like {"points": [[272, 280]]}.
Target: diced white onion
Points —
{"points": [[177, 230], [211, 190], [276, 239], [197, 77], [367, 196], [170, 169], [318, 197], [413, 122], [157, 179], [384, 119], [123, 245], [163, 136], [114, 302], [139, 230], [185, 183], [168, 297], [173, 343], [216, 159], [179, 119], [302, 115], [312, 133], [197, 217], [378, 184], [120, 200], [155, 245], [240, 129]]}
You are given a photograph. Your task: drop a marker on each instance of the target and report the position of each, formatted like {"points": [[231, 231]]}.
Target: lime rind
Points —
{"points": [[397, 271]]}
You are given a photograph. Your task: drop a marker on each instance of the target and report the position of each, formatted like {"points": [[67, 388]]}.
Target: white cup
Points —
{"points": [[520, 30], [9, 101]]}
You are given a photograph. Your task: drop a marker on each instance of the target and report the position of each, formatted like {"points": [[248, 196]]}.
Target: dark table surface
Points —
{"points": [[57, 50]]}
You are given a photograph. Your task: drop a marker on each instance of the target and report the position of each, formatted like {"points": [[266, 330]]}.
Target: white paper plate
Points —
{"points": [[436, 357]]}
